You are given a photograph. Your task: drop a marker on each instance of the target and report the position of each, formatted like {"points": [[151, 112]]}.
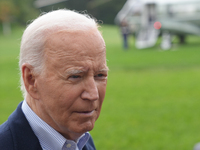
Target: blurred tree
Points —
{"points": [[26, 11], [21, 11], [17, 12], [7, 10]]}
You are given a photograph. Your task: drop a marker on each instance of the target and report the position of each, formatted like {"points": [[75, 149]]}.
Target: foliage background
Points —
{"points": [[22, 11]]}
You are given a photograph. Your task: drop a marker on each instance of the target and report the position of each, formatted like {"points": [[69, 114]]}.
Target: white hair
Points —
{"points": [[35, 35]]}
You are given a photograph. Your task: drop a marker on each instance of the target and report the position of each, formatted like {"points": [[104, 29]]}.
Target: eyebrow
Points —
{"points": [[104, 70], [74, 71], [77, 71]]}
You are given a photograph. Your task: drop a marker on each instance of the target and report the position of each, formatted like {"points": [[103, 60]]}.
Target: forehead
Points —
{"points": [[75, 48]]}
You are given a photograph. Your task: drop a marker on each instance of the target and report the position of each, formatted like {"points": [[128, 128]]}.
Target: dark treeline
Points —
{"points": [[104, 10], [21, 11]]}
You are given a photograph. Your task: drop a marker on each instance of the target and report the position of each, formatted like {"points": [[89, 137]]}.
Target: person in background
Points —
{"points": [[125, 33], [63, 79]]}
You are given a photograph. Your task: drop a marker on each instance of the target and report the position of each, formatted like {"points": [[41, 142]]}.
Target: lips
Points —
{"points": [[86, 112]]}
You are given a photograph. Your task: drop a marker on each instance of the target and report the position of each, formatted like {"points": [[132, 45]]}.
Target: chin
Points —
{"points": [[85, 127], [75, 131]]}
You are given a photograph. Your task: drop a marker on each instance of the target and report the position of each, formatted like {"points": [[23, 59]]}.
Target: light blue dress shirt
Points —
{"points": [[49, 138]]}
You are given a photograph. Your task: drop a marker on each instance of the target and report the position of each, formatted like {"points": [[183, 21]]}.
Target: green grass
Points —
{"points": [[10, 94], [152, 100]]}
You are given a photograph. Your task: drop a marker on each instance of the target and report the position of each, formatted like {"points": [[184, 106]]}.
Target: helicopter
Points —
{"points": [[149, 19]]}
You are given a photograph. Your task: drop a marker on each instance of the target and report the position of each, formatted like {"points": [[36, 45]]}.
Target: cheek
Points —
{"points": [[102, 92], [58, 98], [63, 99], [67, 97]]}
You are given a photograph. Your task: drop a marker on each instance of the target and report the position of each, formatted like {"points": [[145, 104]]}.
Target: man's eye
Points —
{"points": [[75, 76], [101, 76]]}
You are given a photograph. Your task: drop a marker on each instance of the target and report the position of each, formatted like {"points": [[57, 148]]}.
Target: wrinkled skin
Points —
{"points": [[69, 93]]}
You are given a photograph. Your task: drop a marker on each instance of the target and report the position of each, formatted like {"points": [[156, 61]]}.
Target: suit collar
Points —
{"points": [[24, 137], [22, 134]]}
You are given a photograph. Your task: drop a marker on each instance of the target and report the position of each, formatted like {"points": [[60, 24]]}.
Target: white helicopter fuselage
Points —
{"points": [[147, 19]]}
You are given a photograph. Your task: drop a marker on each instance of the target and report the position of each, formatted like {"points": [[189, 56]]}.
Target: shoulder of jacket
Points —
{"points": [[6, 139]]}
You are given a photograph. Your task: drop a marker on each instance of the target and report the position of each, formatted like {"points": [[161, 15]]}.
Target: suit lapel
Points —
{"points": [[23, 136]]}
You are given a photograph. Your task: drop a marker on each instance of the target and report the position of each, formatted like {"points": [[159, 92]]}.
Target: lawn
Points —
{"points": [[152, 100]]}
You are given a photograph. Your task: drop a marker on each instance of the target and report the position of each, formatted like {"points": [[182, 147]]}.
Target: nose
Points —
{"points": [[90, 90]]}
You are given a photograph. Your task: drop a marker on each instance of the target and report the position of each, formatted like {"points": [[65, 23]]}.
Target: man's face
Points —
{"points": [[72, 87]]}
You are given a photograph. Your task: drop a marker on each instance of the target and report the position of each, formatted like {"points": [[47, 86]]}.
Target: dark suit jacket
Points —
{"points": [[16, 134]]}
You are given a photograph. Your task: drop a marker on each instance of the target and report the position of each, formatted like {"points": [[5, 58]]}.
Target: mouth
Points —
{"points": [[89, 112]]}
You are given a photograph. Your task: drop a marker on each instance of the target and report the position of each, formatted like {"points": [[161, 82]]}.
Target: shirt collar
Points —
{"points": [[48, 137]]}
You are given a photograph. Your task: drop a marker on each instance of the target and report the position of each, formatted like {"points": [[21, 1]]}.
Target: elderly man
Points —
{"points": [[63, 77]]}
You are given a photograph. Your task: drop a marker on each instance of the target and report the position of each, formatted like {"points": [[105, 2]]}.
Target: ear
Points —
{"points": [[29, 79]]}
